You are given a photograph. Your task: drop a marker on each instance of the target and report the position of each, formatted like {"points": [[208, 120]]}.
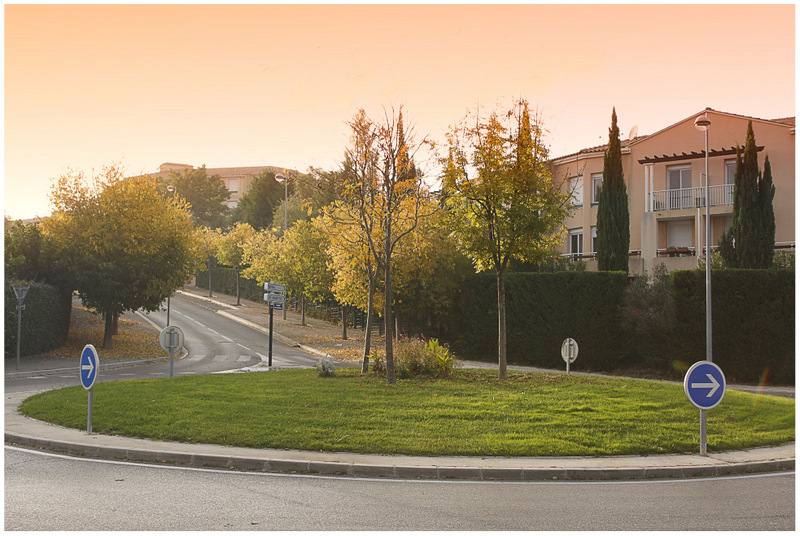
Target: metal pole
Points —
{"points": [[270, 336], [171, 352], [168, 310], [708, 261], [89, 418], [19, 329], [703, 441]]}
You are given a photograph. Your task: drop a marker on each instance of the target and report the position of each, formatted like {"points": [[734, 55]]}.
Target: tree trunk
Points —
{"points": [[237, 286], [390, 375], [108, 334], [368, 325], [209, 277], [344, 322], [302, 309], [501, 322]]}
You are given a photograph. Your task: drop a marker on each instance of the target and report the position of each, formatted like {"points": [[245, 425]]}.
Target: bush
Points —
{"points": [[325, 367], [415, 357]]}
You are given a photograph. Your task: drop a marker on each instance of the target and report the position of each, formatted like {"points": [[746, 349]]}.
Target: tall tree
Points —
{"points": [[613, 217], [501, 198], [389, 194], [206, 195], [126, 247], [750, 241], [257, 206]]}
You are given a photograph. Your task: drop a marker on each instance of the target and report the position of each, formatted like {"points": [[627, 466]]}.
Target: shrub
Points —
{"points": [[325, 367], [415, 357], [45, 319]]}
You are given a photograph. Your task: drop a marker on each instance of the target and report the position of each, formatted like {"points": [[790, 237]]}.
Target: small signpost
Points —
{"points": [[704, 385], [275, 296], [88, 369], [569, 351], [20, 291], [171, 340]]}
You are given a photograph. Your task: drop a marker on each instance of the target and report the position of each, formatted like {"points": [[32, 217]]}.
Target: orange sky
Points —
{"points": [[274, 84]]}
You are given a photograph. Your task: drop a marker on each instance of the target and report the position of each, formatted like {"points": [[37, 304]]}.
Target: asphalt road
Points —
{"points": [[48, 492]]}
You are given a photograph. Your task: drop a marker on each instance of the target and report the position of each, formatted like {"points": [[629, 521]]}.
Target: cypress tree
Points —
{"points": [[613, 218], [750, 241]]}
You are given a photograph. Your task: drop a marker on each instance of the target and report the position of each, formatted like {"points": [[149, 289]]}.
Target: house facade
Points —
{"points": [[665, 178], [236, 179]]}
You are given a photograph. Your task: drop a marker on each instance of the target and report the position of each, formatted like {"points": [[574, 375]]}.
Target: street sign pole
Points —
{"points": [[89, 418], [20, 291], [88, 369], [270, 335], [704, 386]]}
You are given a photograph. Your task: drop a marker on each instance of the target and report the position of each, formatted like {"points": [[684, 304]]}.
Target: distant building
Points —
{"points": [[666, 189], [236, 179]]}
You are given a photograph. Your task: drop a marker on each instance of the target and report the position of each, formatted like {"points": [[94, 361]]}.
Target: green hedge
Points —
{"points": [[753, 316], [45, 319], [543, 309]]}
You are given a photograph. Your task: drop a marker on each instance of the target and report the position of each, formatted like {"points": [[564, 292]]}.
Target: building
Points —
{"points": [[236, 179], [664, 173]]}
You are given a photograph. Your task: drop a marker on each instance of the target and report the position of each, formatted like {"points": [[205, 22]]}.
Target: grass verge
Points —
{"points": [[471, 413]]}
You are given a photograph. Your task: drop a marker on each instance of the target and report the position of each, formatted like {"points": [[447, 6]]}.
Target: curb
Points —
{"points": [[261, 464]]}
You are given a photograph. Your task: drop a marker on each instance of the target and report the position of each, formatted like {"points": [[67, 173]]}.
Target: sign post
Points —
{"points": [[704, 385], [171, 339], [275, 297], [569, 351], [20, 291], [88, 371]]}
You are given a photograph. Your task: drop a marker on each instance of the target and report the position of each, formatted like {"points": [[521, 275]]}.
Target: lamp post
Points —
{"points": [[282, 177], [702, 123]]}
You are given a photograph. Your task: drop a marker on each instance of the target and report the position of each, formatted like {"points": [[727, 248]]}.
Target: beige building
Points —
{"points": [[664, 174], [236, 179]]}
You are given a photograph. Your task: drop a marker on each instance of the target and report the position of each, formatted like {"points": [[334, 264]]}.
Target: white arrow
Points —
{"points": [[89, 367], [714, 385]]}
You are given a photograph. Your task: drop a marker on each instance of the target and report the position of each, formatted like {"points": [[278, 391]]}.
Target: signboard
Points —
{"points": [[274, 298], [569, 351], [88, 366], [704, 385], [274, 287], [171, 338]]}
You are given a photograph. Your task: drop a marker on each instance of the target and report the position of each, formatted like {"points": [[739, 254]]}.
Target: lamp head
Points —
{"points": [[702, 122]]}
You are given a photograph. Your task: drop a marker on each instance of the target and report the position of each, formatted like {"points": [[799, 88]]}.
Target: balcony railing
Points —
{"points": [[692, 197]]}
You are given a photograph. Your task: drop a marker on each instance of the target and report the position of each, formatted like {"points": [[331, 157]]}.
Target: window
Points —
{"points": [[594, 239], [730, 175], [233, 185], [576, 243], [679, 234], [679, 185], [576, 190], [597, 182]]}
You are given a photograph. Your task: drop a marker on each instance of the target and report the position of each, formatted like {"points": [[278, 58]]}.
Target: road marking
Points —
{"points": [[243, 358], [221, 357]]}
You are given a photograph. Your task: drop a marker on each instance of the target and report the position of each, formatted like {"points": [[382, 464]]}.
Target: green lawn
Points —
{"points": [[471, 413]]}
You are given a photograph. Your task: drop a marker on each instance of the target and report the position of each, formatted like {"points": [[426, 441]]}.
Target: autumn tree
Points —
{"points": [[750, 242], [501, 198], [125, 246], [206, 195], [230, 251], [386, 194], [613, 217], [210, 240]]}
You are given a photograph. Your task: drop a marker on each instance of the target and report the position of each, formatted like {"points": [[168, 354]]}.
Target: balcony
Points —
{"points": [[684, 198]]}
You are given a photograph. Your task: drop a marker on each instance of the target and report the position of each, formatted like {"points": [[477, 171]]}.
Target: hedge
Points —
{"points": [[752, 313], [45, 319], [543, 309]]}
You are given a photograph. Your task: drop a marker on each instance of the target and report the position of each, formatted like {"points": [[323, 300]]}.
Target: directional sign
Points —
{"points": [[88, 366], [274, 297], [278, 306], [274, 287], [569, 350], [704, 385]]}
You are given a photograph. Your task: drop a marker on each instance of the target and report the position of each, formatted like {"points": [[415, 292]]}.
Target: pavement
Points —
{"points": [[23, 431]]}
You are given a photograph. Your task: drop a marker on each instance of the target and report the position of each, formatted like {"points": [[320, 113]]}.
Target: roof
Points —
{"points": [[787, 121]]}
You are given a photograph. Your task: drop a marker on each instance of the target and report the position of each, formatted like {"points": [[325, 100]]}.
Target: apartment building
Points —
{"points": [[665, 178], [236, 179]]}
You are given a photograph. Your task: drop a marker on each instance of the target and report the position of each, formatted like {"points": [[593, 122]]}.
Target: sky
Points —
{"points": [[251, 85]]}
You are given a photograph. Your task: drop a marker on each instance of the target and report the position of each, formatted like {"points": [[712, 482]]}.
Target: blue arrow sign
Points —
{"points": [[88, 366], [704, 385]]}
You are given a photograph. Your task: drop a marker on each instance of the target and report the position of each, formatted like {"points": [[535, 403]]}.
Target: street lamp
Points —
{"points": [[282, 177], [702, 123]]}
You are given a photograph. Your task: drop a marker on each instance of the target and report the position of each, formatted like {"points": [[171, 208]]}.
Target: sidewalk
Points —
{"points": [[20, 430]]}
